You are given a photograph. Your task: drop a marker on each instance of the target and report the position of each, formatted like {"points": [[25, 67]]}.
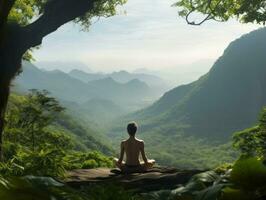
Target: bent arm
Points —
{"points": [[122, 151], [142, 151]]}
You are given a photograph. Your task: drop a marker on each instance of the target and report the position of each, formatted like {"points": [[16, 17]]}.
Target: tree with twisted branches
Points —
{"points": [[246, 11], [24, 24]]}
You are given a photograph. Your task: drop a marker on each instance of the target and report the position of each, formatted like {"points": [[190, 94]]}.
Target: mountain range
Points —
{"points": [[156, 83], [227, 99], [100, 97], [66, 87]]}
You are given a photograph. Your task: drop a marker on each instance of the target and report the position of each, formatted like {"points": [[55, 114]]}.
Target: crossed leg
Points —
{"points": [[141, 168]]}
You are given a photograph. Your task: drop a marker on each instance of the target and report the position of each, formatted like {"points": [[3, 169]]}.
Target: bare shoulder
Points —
{"points": [[140, 141]]}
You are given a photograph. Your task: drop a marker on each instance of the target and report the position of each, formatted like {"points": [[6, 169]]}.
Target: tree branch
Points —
{"points": [[5, 7], [209, 16], [56, 13]]}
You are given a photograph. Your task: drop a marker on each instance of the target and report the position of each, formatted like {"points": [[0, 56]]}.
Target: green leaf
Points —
{"points": [[229, 193], [210, 193], [249, 174]]}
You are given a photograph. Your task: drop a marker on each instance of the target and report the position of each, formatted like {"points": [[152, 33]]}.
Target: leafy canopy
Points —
{"points": [[253, 11], [25, 11]]}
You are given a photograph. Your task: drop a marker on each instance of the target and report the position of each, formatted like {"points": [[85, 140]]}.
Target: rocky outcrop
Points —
{"points": [[152, 180]]}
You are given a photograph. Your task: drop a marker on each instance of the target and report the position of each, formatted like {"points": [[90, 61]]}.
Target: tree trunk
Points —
{"points": [[4, 93], [10, 64], [5, 82]]}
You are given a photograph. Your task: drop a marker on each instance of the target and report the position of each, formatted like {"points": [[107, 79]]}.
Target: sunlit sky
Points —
{"points": [[150, 35]]}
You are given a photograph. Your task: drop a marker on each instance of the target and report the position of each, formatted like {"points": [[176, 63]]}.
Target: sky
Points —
{"points": [[149, 35]]}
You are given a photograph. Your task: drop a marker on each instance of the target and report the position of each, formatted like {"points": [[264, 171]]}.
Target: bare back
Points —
{"points": [[133, 147]]}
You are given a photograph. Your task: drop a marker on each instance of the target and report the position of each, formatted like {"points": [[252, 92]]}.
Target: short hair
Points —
{"points": [[132, 128]]}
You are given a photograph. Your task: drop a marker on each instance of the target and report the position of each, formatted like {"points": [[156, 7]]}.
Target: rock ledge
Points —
{"points": [[152, 180]]}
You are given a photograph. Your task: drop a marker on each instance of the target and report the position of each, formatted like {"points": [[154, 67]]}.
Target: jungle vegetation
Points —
{"points": [[40, 139]]}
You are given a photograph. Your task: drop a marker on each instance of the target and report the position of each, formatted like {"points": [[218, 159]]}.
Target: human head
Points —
{"points": [[132, 128]]}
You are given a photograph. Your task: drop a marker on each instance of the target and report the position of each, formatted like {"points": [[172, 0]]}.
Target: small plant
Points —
{"points": [[88, 164], [110, 192], [37, 188], [252, 142], [245, 181], [43, 163], [78, 160]]}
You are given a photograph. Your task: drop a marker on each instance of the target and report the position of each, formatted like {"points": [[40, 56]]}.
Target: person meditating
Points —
{"points": [[133, 147]]}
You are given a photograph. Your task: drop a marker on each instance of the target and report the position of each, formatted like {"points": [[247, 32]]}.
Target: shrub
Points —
{"points": [[89, 164], [43, 163]]}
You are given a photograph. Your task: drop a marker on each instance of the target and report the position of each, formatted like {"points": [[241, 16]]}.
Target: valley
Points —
{"points": [[192, 122]]}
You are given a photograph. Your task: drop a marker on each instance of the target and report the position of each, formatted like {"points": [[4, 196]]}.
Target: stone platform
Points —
{"points": [[152, 180]]}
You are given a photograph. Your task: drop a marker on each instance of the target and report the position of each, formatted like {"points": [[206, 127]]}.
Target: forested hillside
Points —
{"points": [[95, 111], [41, 139], [82, 136], [192, 124], [227, 99]]}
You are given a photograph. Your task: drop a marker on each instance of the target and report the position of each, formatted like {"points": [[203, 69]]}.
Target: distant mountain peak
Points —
{"points": [[136, 81], [77, 70], [56, 71], [108, 79], [227, 99], [121, 72], [65, 66]]}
